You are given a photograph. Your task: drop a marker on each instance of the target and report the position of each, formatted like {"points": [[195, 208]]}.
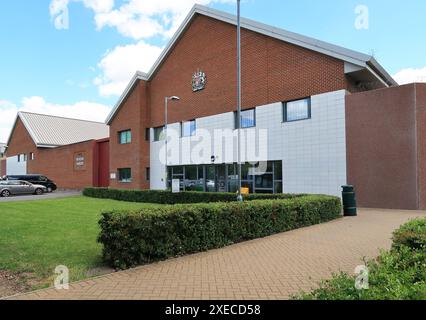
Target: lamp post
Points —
{"points": [[240, 196], [166, 109]]}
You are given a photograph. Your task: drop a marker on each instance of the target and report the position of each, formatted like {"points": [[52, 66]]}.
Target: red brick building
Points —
{"points": [[315, 117], [73, 153]]}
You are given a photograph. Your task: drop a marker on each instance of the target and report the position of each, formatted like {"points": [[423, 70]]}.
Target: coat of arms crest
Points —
{"points": [[199, 81]]}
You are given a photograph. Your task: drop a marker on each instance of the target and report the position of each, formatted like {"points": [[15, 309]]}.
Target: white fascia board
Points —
{"points": [[138, 76], [28, 127]]}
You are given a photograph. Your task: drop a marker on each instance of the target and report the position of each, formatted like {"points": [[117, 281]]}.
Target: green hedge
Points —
{"points": [[152, 234], [167, 197], [398, 274], [412, 235]]}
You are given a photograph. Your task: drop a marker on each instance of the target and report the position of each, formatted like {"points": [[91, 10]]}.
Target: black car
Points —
{"points": [[34, 179]]}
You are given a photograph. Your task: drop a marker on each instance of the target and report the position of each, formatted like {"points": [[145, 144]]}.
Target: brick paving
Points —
{"points": [[270, 268]]}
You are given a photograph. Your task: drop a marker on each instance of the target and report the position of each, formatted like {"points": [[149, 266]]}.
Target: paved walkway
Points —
{"points": [[31, 197], [271, 268]]}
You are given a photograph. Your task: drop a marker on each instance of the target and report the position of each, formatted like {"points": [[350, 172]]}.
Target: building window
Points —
{"points": [[248, 119], [148, 174], [158, 134], [125, 137], [148, 134], [188, 128], [297, 110], [125, 175], [22, 157], [264, 177], [31, 156]]}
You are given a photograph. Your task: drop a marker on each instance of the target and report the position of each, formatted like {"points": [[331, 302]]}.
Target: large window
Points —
{"points": [[297, 110], [159, 134], [125, 137], [188, 128], [260, 178], [125, 175], [248, 119]]}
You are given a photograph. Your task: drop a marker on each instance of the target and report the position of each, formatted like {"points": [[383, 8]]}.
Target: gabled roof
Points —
{"points": [[354, 60], [50, 131]]}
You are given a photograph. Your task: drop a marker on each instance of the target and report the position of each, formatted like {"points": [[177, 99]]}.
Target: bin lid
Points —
{"points": [[348, 187]]}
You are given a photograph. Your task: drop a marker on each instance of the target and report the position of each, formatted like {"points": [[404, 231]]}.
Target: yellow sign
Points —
{"points": [[245, 190]]}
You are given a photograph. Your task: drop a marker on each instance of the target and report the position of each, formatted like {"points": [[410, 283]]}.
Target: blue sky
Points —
{"points": [[79, 68]]}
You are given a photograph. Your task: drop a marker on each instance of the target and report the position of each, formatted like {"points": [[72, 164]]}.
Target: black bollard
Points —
{"points": [[349, 201]]}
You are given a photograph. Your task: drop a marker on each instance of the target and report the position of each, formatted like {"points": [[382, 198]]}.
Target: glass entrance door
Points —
{"points": [[221, 178], [210, 178]]}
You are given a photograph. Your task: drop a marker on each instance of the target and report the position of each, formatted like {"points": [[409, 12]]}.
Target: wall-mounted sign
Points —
{"points": [[113, 176], [199, 80], [175, 185], [80, 161]]}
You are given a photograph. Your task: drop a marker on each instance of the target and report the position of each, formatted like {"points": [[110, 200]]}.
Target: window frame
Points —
{"points": [[128, 137], [242, 111], [159, 137], [148, 174], [129, 180], [285, 113], [182, 130], [148, 134]]}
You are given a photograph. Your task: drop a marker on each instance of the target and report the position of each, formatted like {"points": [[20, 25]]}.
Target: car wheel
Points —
{"points": [[49, 189], [39, 192], [5, 193]]}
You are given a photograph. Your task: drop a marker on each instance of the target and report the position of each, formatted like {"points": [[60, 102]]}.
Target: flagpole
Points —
{"points": [[240, 196]]}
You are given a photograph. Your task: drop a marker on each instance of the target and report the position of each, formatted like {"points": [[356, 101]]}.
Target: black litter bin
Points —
{"points": [[349, 201]]}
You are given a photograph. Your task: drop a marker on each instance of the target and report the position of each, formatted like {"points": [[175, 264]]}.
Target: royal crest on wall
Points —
{"points": [[199, 81]]}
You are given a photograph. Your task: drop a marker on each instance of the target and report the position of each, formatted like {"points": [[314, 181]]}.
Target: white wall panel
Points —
{"points": [[13, 167], [313, 151]]}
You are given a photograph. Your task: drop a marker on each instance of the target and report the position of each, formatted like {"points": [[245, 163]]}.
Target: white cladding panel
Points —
{"points": [[313, 151], [13, 167]]}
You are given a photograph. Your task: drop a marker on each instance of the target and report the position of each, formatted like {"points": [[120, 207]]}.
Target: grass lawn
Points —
{"points": [[37, 236]]}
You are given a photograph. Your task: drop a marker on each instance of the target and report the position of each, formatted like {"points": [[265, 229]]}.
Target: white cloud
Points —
{"points": [[120, 64], [410, 75], [137, 19], [59, 13], [80, 110]]}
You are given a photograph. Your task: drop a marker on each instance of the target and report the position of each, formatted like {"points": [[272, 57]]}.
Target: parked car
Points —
{"points": [[35, 179], [15, 187]]}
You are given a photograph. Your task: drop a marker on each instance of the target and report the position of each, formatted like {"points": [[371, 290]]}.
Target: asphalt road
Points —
{"points": [[53, 195]]}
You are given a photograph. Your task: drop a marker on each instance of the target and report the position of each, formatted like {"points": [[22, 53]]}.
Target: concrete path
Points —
{"points": [[271, 268], [31, 197]]}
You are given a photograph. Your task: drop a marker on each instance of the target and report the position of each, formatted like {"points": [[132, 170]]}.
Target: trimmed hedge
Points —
{"points": [[152, 234], [167, 197], [411, 234], [398, 274]]}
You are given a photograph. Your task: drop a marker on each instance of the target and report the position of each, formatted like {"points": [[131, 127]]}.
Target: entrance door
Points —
{"points": [[210, 178], [221, 178]]}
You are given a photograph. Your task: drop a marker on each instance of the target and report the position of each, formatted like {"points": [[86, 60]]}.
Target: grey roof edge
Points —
{"points": [[323, 47], [27, 127], [20, 115]]}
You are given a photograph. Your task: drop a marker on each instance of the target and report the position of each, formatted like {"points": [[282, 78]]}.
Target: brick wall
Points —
{"points": [[133, 115], [381, 147], [59, 163]]}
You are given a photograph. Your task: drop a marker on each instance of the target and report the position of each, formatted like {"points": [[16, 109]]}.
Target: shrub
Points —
{"points": [[412, 235], [399, 274], [152, 234], [167, 197]]}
